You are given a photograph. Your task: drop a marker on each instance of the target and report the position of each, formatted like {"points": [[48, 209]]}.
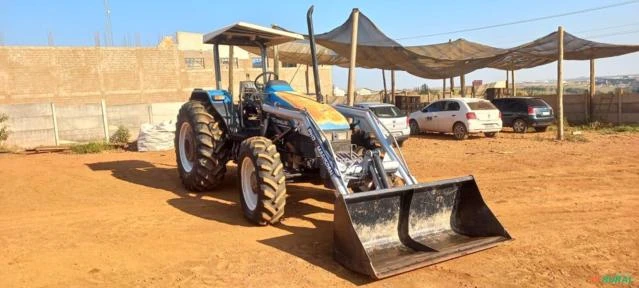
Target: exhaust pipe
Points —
{"points": [[311, 36]]}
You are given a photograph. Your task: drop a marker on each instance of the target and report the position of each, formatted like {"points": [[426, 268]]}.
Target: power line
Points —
{"points": [[613, 34], [521, 21], [608, 27]]}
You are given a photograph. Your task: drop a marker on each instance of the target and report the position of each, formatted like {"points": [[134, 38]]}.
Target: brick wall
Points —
{"points": [[120, 75]]}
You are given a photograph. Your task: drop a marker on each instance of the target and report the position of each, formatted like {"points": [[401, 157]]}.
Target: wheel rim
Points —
{"points": [[518, 126], [249, 183], [459, 131], [186, 146]]}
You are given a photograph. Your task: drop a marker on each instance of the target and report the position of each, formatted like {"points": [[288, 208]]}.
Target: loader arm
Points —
{"points": [[390, 230]]}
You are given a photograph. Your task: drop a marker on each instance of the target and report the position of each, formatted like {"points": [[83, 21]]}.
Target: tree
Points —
{"points": [[423, 89], [4, 132]]}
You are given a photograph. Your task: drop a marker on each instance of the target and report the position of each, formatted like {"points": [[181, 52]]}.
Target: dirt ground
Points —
{"points": [[122, 219]]}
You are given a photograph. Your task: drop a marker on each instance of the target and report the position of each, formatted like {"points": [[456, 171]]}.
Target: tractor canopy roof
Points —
{"points": [[247, 34]]}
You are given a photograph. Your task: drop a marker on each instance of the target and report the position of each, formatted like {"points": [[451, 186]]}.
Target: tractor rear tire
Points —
{"points": [[261, 181], [200, 149]]}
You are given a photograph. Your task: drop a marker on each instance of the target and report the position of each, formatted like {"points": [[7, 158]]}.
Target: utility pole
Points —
{"points": [[108, 35], [50, 39], [560, 82]]}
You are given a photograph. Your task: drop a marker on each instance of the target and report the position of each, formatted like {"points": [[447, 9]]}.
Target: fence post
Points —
{"points": [[619, 92], [105, 123], [55, 125], [587, 108], [149, 109]]}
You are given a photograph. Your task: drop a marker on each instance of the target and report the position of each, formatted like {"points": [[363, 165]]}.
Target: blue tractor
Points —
{"points": [[384, 221]]}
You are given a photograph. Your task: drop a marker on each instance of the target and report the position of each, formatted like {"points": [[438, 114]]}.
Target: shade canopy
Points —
{"points": [[299, 52], [247, 34], [443, 60]]}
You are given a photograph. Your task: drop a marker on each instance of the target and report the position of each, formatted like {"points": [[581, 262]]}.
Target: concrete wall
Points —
{"points": [[120, 75], [32, 125]]}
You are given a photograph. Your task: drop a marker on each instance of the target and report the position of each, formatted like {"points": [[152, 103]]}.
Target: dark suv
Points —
{"points": [[522, 112]]}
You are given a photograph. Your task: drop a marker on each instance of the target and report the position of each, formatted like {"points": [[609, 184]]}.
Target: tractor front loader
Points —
{"points": [[384, 221]]}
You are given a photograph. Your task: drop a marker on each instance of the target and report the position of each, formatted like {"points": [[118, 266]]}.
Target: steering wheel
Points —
{"points": [[269, 76]]}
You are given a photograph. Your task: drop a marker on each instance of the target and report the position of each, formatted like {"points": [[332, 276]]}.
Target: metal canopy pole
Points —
{"points": [[560, 83], [231, 68], [216, 64], [276, 58], [351, 68]]}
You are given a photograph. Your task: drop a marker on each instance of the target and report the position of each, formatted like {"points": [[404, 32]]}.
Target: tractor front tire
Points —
{"points": [[200, 149], [261, 181]]}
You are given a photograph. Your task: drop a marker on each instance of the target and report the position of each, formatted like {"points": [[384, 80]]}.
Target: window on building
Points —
{"points": [[257, 62], [288, 65], [225, 61], [194, 63]]}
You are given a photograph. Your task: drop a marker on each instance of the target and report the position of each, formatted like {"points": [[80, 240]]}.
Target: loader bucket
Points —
{"points": [[387, 232]]}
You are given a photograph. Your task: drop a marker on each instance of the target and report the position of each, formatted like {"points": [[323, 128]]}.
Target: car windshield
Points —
{"points": [[537, 102], [387, 112], [481, 105]]}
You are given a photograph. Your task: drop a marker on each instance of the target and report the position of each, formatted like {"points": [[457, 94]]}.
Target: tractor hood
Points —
{"points": [[324, 115]]}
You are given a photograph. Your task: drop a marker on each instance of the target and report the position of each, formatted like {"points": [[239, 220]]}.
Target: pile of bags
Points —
{"points": [[158, 137]]}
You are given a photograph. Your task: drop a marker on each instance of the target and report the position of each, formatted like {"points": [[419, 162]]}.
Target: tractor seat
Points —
{"points": [[276, 86]]}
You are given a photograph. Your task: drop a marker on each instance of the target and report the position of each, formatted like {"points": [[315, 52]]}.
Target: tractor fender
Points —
{"points": [[218, 102]]}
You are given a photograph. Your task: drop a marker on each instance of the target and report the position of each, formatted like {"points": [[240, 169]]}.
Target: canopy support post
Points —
{"points": [[462, 82], [507, 80], [512, 79], [560, 82], [444, 89], [592, 92], [452, 86], [351, 68], [216, 64], [385, 98], [231, 69], [276, 61], [393, 86]]}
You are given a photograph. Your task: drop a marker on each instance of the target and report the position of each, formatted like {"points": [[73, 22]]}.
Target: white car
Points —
{"points": [[394, 119], [460, 116]]}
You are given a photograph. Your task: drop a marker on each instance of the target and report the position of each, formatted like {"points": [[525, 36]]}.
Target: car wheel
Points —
{"points": [[414, 127], [459, 131], [541, 129], [520, 126], [491, 134]]}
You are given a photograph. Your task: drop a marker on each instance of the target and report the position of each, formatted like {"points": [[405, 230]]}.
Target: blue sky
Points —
{"points": [[74, 23]]}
